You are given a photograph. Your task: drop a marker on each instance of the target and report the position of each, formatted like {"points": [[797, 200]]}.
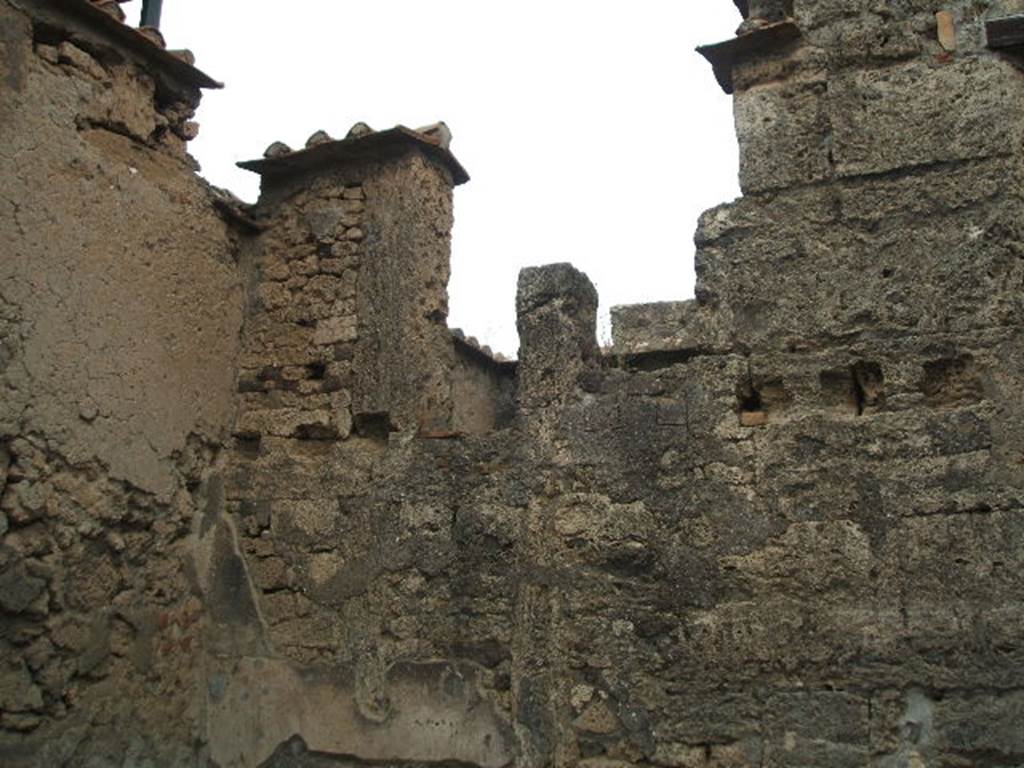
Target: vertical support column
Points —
{"points": [[348, 330], [556, 307], [404, 355]]}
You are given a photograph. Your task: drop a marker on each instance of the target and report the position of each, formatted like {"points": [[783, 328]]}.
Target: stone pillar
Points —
{"points": [[348, 329], [556, 307]]}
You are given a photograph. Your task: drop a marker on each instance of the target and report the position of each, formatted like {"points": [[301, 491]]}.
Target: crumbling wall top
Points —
{"points": [[84, 21]]}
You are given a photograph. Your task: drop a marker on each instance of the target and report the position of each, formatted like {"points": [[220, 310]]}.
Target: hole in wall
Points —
{"points": [[837, 389], [868, 385], [315, 432], [749, 398], [853, 389], [269, 373], [373, 426], [248, 444], [760, 400], [952, 380]]}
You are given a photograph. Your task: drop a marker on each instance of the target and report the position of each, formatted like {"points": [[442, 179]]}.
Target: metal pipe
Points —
{"points": [[151, 13]]}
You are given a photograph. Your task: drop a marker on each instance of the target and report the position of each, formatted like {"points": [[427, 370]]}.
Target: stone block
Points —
{"points": [[783, 132], [661, 327], [269, 573], [925, 192], [17, 691], [810, 557], [983, 724], [914, 274], [325, 220], [19, 590], [834, 716], [810, 14], [73, 56], [867, 40], [944, 558], [917, 114], [285, 414], [334, 330], [125, 105], [723, 715], [309, 523], [753, 418]]}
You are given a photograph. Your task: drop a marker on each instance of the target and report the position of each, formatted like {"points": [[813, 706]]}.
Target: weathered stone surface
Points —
{"points": [[119, 322], [432, 713], [18, 589], [674, 327], [783, 133], [269, 510], [956, 113], [277, 149], [556, 308], [111, 305]]}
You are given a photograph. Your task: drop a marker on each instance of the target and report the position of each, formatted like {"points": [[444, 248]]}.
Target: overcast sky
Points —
{"points": [[591, 130]]}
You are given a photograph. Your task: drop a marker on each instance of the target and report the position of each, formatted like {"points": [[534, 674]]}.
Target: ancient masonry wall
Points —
{"points": [[120, 310], [259, 506]]}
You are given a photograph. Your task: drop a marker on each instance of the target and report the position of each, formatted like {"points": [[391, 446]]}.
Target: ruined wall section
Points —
{"points": [[865, 141], [349, 289], [405, 359], [301, 328], [865, 296], [351, 377], [119, 318], [881, 172], [778, 525], [483, 388]]}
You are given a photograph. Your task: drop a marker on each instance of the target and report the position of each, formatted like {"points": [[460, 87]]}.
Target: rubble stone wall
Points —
{"points": [[120, 311], [262, 508]]}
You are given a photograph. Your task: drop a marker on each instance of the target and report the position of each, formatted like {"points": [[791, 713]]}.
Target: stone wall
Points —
{"points": [[271, 511], [120, 310]]}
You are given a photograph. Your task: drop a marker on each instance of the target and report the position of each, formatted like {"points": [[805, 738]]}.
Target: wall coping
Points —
{"points": [[379, 145]]}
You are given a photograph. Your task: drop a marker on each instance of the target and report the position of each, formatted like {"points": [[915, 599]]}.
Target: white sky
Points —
{"points": [[592, 131]]}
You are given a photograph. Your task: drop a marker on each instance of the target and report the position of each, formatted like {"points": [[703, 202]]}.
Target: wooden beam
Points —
{"points": [[759, 41], [1007, 32]]}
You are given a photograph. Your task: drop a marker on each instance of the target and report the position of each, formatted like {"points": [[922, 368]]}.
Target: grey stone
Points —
{"points": [[556, 315], [18, 589], [277, 149], [941, 117], [17, 691], [319, 137], [359, 130], [438, 133]]}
